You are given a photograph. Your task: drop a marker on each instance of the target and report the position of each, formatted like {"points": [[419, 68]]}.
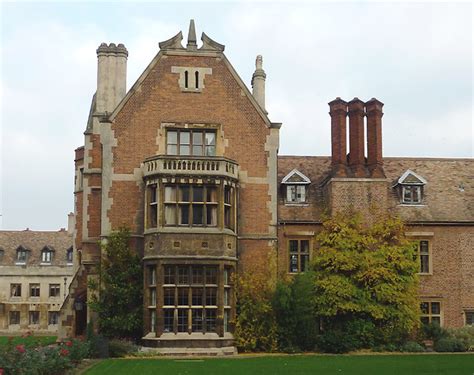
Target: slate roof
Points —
{"points": [[448, 195], [34, 241]]}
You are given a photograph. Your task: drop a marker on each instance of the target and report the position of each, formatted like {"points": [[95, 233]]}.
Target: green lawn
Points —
{"points": [[452, 364], [30, 341]]}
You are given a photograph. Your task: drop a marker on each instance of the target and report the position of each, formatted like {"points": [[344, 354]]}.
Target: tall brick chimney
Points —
{"points": [[111, 76], [374, 137], [258, 82], [356, 137], [338, 112]]}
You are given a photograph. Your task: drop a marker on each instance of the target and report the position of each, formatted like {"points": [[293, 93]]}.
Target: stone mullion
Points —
{"points": [[220, 301], [159, 298]]}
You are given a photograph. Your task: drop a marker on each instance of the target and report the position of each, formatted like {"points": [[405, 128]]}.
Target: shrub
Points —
{"points": [[433, 332], [335, 341], [120, 348], [465, 334], [412, 347], [450, 344]]}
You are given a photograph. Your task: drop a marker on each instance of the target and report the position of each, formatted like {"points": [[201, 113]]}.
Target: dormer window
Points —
{"points": [[411, 188], [21, 255], [295, 184], [46, 255]]}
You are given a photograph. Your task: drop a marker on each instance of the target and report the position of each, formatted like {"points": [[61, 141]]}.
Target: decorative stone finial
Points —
{"points": [[259, 62], [192, 41]]}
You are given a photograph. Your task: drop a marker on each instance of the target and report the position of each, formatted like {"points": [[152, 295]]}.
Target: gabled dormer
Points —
{"points": [[295, 183], [410, 188]]}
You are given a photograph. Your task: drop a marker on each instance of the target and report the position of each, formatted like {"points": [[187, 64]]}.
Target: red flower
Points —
{"points": [[20, 348], [68, 343], [64, 352]]}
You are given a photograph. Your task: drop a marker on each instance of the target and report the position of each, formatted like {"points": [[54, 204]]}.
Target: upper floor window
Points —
{"points": [[188, 142], [299, 255], [15, 290], [411, 187], [34, 290], [424, 256], [21, 255], [46, 255], [190, 205], [69, 255], [296, 184], [2, 254], [54, 290]]}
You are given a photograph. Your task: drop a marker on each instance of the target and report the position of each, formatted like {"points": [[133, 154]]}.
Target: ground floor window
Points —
{"points": [[430, 312], [53, 317], [299, 255], [14, 317], [34, 317], [469, 317]]}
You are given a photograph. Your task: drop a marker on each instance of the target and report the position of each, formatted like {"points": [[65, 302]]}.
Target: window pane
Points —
{"points": [[184, 150], [210, 150], [197, 150], [153, 297], [210, 320], [304, 262], [168, 297], [211, 215], [183, 296], [294, 263], [170, 215], [424, 307], [226, 320], [198, 275], [197, 138], [183, 275], [172, 150], [172, 137], [424, 247], [304, 246], [469, 317], [170, 194], [211, 297], [198, 296], [210, 139], [198, 194], [198, 210], [211, 275], [416, 194], [184, 194], [425, 320], [424, 264], [436, 320], [169, 275], [211, 194], [184, 138], [226, 297], [168, 320], [197, 320], [182, 320], [293, 246], [435, 308], [152, 320], [183, 214]]}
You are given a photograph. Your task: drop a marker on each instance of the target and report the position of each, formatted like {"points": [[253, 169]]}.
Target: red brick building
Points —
{"points": [[188, 160]]}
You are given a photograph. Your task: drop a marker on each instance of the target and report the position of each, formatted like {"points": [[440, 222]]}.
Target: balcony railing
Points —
{"points": [[190, 165]]}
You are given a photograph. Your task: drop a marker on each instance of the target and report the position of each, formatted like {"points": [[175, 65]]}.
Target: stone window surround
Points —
{"points": [[296, 191], [428, 237], [429, 314], [468, 317]]}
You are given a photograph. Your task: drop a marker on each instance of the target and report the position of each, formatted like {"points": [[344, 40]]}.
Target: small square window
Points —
{"points": [[411, 194], [34, 290], [430, 312], [34, 317], [69, 255], [54, 290], [15, 290]]}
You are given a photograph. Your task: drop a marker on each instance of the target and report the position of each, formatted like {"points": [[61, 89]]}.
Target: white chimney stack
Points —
{"points": [[111, 76], [258, 83]]}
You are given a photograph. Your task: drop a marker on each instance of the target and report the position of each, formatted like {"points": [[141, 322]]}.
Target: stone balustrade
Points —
{"points": [[190, 165]]}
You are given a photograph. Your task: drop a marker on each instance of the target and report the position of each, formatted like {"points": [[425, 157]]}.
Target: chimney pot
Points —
{"points": [[258, 82]]}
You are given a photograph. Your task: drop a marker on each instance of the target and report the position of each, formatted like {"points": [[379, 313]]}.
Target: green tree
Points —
{"points": [[366, 280], [119, 292], [255, 325]]}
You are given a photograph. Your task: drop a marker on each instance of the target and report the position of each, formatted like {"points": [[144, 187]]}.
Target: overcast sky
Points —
{"points": [[416, 58]]}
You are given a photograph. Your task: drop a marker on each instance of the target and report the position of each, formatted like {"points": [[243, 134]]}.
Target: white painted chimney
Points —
{"points": [[111, 76], [258, 83]]}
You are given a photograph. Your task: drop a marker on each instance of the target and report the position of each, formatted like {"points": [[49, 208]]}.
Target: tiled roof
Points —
{"points": [[448, 194], [34, 241]]}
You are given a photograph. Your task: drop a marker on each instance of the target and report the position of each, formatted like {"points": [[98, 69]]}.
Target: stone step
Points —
{"points": [[185, 352]]}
